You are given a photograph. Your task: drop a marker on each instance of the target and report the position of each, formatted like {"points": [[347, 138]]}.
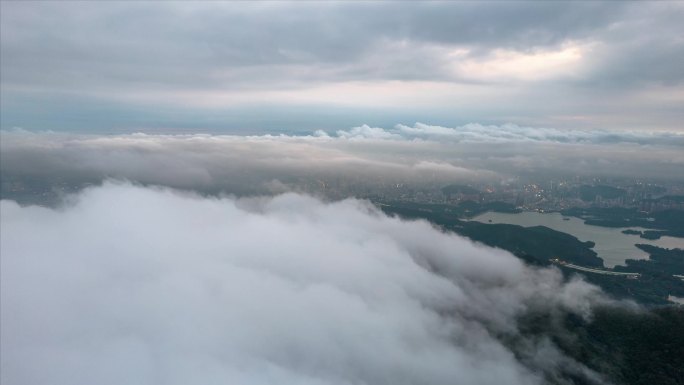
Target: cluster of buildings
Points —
{"points": [[552, 195]]}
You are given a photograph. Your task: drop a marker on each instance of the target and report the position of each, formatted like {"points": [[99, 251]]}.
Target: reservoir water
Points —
{"points": [[611, 244]]}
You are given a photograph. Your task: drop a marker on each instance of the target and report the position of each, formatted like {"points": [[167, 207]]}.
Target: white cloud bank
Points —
{"points": [[132, 285], [478, 133]]}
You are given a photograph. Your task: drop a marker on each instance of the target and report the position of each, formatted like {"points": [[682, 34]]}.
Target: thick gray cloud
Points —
{"points": [[140, 42], [149, 42], [149, 286], [612, 64]]}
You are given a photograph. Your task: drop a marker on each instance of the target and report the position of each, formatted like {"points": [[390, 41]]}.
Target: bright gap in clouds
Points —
{"points": [[138, 285], [513, 65]]}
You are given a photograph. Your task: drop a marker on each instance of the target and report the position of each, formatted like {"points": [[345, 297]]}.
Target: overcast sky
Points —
{"points": [[267, 67]]}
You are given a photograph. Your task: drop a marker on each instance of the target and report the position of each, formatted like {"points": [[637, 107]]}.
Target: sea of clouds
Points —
{"points": [[148, 285]]}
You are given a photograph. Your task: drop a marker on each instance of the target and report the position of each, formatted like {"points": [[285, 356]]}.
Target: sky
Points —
{"points": [[120, 67]]}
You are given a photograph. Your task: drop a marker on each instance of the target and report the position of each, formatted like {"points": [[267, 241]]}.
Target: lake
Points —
{"points": [[611, 244]]}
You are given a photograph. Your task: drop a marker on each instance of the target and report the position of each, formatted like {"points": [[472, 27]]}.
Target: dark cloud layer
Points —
{"points": [[150, 286], [612, 64], [206, 37], [141, 42]]}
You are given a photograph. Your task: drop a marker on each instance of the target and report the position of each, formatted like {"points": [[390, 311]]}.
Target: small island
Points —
{"points": [[648, 234]]}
